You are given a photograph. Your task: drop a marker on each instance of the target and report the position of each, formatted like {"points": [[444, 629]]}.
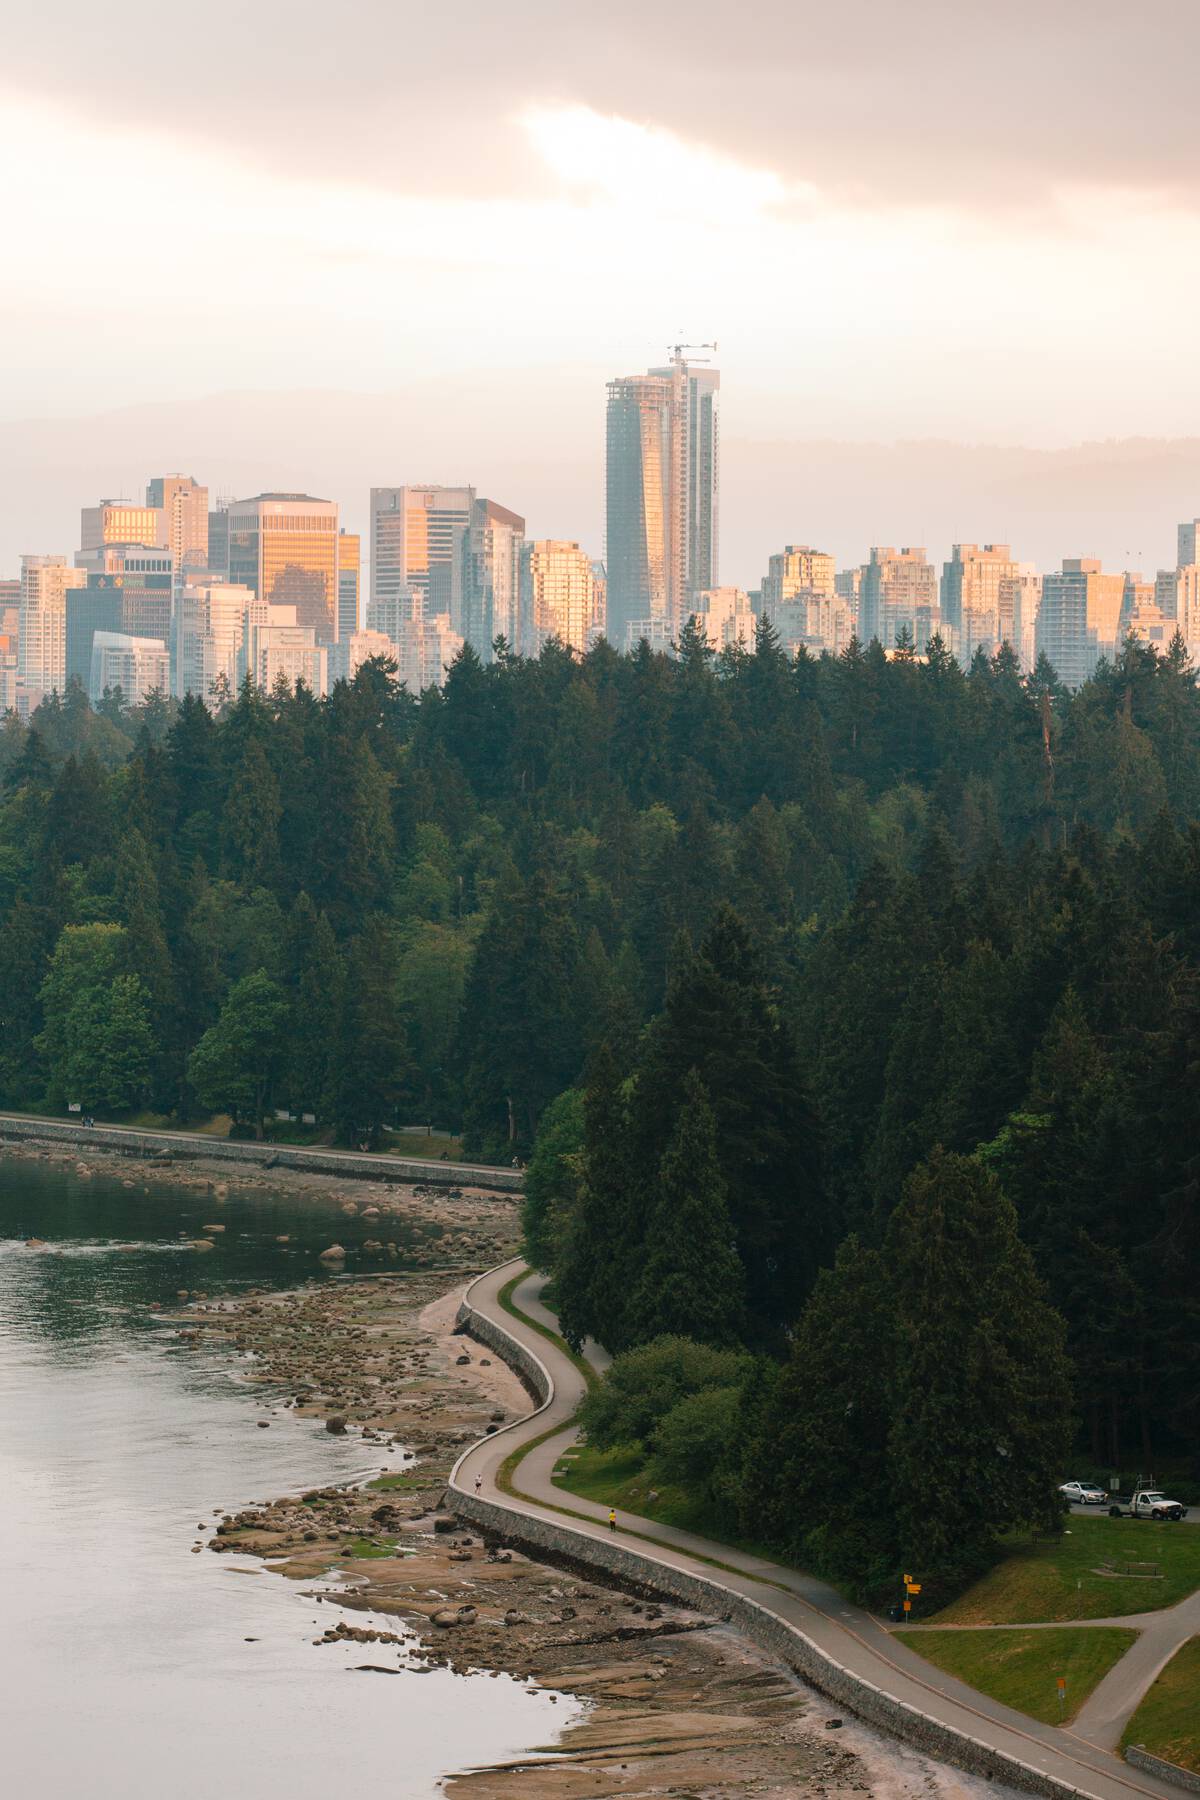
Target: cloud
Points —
{"points": [[932, 102]]}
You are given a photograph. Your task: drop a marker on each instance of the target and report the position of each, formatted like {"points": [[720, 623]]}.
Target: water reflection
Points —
{"points": [[129, 1666]]}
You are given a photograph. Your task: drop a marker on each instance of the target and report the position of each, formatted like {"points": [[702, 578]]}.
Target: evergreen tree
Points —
{"points": [[692, 1283], [980, 1386], [821, 1432], [600, 1252], [719, 1020], [371, 1067]]}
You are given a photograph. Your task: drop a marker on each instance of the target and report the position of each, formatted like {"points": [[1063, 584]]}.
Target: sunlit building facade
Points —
{"points": [[662, 495], [121, 522], [42, 626], [557, 595], [419, 541], [208, 631], [348, 573], [898, 594], [285, 548], [726, 617], [423, 646], [794, 570], [492, 578], [1079, 619], [183, 505], [812, 621]]}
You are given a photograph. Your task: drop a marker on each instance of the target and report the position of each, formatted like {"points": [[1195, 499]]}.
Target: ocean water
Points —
{"points": [[129, 1667]]}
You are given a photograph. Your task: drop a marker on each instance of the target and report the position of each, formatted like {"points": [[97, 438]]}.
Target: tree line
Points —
{"points": [[798, 923]]}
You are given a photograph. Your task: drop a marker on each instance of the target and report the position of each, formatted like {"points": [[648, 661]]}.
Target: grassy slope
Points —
{"points": [[1057, 1580], [1021, 1668], [1167, 1723], [623, 1478]]}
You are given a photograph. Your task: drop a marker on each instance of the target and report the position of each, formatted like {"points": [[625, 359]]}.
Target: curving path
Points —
{"points": [[1047, 1759]]}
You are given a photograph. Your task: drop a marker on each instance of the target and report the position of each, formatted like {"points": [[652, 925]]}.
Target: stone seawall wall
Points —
{"points": [[532, 1372], [1166, 1771], [559, 1541], [183, 1147]]}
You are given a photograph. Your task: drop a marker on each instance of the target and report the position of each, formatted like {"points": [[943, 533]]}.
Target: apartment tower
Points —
{"points": [[663, 487]]}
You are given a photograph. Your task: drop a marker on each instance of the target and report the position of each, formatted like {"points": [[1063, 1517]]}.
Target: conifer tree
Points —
{"points": [[692, 1283], [601, 1251], [980, 1386], [371, 1066]]}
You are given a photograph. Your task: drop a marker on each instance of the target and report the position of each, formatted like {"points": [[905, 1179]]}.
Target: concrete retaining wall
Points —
{"points": [[1166, 1771], [558, 1540], [185, 1147]]}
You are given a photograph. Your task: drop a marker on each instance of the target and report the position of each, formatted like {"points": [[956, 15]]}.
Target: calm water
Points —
{"points": [[125, 1669]]}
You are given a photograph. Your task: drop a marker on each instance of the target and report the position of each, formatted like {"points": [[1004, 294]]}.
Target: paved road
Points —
{"points": [[845, 1632]]}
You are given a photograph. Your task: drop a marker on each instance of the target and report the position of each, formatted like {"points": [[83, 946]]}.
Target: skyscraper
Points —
{"points": [[492, 579], [418, 540], [663, 484], [183, 504], [121, 522], [1079, 618], [207, 636], [349, 556], [973, 585], [138, 666], [42, 625], [218, 539], [128, 588], [898, 592], [557, 595], [284, 546], [793, 570]]}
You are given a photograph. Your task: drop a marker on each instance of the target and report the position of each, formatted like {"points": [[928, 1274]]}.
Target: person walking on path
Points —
{"points": [[612, 1518], [478, 1483]]}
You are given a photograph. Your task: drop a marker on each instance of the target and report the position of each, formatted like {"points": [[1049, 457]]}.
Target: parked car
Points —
{"points": [[1083, 1493], [1148, 1503]]}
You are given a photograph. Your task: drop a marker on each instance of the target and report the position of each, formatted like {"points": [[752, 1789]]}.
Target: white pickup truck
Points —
{"points": [[1148, 1503]]}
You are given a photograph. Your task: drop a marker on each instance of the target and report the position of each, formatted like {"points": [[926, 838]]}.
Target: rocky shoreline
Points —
{"points": [[674, 1704]]}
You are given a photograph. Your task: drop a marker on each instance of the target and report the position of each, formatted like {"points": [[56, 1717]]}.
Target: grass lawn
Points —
{"points": [[1167, 1723], [623, 1478], [505, 1297], [424, 1145], [1021, 1668], [1058, 1580]]}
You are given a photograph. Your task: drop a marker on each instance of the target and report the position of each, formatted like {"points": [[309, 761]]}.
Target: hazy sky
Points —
{"points": [[946, 218]]}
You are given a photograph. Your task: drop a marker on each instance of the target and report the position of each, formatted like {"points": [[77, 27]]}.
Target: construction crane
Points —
{"points": [[677, 351]]}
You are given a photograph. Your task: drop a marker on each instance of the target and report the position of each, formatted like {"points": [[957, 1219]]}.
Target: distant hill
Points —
{"points": [[523, 439]]}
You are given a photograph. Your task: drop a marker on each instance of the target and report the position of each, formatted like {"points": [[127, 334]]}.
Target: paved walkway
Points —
{"points": [[1112, 1702], [382, 1166], [844, 1632]]}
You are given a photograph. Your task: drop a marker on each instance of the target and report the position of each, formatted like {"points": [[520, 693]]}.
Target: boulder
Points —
{"points": [[336, 1424], [335, 1253]]}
